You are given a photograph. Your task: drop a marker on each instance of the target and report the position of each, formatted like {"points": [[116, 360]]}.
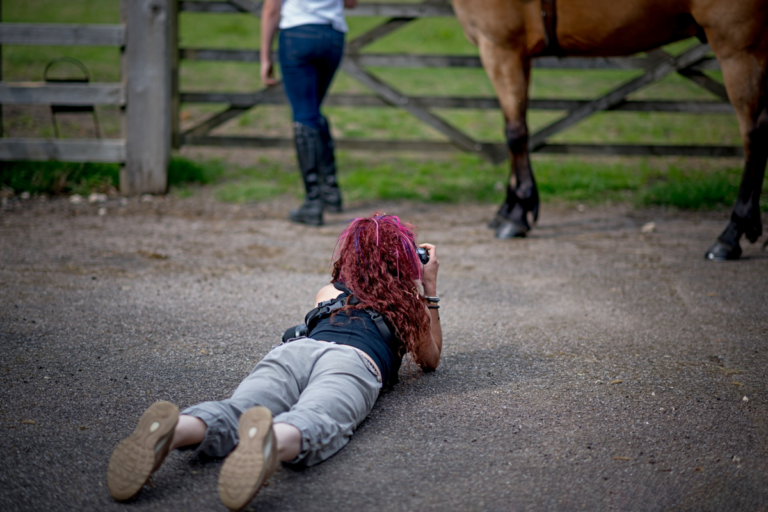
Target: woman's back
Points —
{"points": [[309, 12], [358, 329]]}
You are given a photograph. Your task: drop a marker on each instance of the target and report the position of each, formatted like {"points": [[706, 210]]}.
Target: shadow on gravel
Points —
{"points": [[478, 369]]}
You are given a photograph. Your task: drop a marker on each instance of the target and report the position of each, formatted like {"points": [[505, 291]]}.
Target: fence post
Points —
{"points": [[147, 69], [1, 70], [175, 100]]}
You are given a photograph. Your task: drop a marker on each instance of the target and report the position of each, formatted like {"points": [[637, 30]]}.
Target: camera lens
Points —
{"points": [[423, 255]]}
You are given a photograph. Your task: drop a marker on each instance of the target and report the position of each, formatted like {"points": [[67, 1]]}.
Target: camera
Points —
{"points": [[297, 331], [423, 255]]}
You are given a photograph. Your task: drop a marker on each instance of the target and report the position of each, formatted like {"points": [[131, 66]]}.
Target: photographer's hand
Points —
{"points": [[431, 348]]}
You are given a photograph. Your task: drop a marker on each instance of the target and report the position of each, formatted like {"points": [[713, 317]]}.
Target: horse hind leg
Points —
{"points": [[748, 205], [747, 84], [522, 194], [508, 68]]}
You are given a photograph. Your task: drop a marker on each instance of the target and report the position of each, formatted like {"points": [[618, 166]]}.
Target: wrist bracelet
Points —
{"points": [[432, 300], [435, 306]]}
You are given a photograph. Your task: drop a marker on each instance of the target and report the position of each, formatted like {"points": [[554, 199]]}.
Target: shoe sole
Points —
{"points": [[140, 454], [306, 221], [252, 462]]}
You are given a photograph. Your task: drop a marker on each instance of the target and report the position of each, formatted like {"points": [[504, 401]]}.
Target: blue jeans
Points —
{"points": [[309, 57]]}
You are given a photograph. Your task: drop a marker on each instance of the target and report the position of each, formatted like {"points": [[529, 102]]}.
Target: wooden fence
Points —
{"points": [[656, 65], [147, 56], [150, 96]]}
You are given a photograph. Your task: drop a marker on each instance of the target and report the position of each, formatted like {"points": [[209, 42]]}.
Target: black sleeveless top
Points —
{"points": [[356, 329]]}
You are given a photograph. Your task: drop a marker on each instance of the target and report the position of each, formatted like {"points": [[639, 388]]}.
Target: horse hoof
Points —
{"points": [[723, 252], [509, 229], [753, 232]]}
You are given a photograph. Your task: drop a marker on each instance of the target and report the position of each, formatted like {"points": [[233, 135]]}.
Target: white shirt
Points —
{"points": [[304, 12]]}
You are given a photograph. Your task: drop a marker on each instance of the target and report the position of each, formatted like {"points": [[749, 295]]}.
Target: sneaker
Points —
{"points": [[253, 461], [141, 454]]}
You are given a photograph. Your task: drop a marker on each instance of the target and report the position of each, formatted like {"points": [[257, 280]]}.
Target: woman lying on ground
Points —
{"points": [[318, 388]]}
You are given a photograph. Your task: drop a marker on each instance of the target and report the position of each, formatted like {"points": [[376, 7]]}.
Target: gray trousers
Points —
{"points": [[323, 389]]}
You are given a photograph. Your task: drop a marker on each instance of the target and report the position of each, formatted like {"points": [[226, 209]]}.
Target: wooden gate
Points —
{"points": [[147, 56], [656, 65], [150, 97]]}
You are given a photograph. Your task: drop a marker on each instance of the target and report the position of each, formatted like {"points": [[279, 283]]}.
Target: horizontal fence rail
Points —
{"points": [[62, 34], [362, 10], [641, 150], [392, 60], [74, 94], [441, 147], [458, 102], [63, 150]]}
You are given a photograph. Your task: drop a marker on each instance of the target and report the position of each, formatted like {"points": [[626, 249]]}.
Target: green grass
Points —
{"points": [[684, 183], [79, 178], [58, 177], [694, 190], [442, 180], [183, 171], [468, 178], [266, 180]]}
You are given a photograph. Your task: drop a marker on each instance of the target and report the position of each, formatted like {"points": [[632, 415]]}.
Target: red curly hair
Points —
{"points": [[376, 259]]}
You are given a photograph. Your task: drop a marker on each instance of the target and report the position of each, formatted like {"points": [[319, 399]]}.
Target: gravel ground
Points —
{"points": [[588, 366]]}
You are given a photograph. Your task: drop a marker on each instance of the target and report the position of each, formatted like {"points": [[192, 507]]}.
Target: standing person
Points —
{"points": [[311, 45], [301, 403]]}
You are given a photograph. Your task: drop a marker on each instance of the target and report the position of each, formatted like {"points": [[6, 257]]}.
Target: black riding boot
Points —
{"points": [[329, 187], [309, 149]]}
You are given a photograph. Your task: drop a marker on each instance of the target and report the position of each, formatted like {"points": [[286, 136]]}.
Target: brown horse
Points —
{"points": [[510, 32]]}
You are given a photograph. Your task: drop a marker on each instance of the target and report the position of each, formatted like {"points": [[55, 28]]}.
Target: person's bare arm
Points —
{"points": [[270, 19], [431, 349], [327, 292]]}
